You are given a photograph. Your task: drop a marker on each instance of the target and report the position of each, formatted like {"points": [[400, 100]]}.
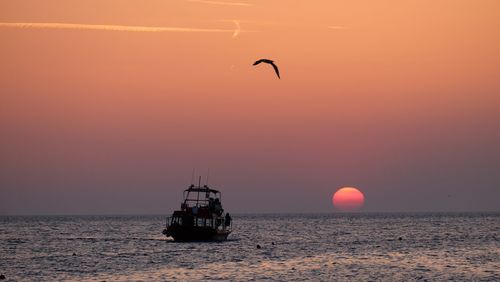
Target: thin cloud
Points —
{"points": [[238, 28], [220, 3], [128, 28], [337, 27], [260, 22]]}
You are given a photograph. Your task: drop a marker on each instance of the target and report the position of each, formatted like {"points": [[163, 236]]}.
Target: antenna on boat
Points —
{"points": [[208, 174], [192, 177]]}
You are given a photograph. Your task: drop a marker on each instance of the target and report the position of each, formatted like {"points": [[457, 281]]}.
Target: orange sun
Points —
{"points": [[348, 199]]}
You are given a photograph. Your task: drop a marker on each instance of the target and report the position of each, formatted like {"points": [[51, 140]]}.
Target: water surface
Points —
{"points": [[294, 247]]}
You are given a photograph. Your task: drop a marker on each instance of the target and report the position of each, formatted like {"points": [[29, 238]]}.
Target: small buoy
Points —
{"points": [[258, 247], [2, 277], [293, 268], [272, 243], [74, 254], [400, 238]]}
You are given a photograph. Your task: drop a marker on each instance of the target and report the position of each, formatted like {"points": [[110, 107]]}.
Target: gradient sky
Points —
{"points": [[106, 106]]}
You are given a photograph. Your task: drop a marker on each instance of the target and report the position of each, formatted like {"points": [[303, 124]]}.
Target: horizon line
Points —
{"points": [[262, 213]]}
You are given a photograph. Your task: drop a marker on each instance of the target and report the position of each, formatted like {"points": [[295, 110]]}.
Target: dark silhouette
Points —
{"points": [[200, 217], [271, 62]]}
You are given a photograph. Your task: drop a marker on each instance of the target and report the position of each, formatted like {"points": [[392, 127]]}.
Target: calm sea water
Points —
{"points": [[340, 247]]}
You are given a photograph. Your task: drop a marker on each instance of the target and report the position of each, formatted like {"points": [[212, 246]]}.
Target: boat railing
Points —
{"points": [[218, 223], [201, 196], [167, 221]]}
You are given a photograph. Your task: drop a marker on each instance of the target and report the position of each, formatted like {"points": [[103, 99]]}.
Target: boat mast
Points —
{"points": [[198, 193]]}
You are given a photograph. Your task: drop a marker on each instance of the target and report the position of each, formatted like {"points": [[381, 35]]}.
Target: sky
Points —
{"points": [[107, 106]]}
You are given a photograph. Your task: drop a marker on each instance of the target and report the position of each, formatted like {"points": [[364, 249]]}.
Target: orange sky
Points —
{"points": [[398, 98]]}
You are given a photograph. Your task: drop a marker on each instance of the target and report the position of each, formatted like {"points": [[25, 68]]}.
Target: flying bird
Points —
{"points": [[271, 62]]}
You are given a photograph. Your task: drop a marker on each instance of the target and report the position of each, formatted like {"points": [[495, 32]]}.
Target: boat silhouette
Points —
{"points": [[201, 217]]}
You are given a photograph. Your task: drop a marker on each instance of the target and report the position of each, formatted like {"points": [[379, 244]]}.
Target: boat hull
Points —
{"points": [[193, 233]]}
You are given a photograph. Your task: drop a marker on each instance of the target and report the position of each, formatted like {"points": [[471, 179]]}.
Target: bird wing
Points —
{"points": [[276, 70], [257, 62]]}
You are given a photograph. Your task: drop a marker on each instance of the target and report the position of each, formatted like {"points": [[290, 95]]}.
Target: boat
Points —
{"points": [[200, 218]]}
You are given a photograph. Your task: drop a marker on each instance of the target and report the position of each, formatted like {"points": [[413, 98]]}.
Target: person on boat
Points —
{"points": [[227, 220], [211, 204], [218, 207]]}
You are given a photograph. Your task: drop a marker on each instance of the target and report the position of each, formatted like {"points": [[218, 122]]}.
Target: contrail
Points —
{"points": [[112, 27], [238, 28], [220, 3]]}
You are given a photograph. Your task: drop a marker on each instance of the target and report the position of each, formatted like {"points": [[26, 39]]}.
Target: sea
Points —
{"points": [[262, 247]]}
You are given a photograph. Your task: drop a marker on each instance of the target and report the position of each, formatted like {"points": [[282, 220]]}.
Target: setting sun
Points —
{"points": [[348, 199]]}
